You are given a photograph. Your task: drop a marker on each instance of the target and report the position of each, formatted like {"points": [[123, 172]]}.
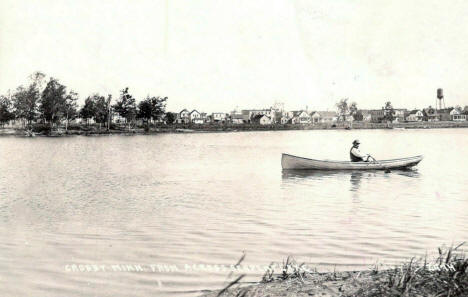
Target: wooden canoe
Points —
{"points": [[294, 162]]}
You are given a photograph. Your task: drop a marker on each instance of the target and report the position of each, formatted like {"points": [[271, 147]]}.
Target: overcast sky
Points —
{"points": [[216, 55]]}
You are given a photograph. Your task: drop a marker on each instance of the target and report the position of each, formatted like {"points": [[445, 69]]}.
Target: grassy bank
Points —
{"points": [[447, 275], [44, 130]]}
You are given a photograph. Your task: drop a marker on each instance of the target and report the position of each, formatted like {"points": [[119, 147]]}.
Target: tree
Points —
{"points": [[170, 117], [52, 102], [109, 111], [343, 109], [25, 102], [358, 116], [88, 110], [25, 99], [389, 112], [102, 109], [353, 109], [37, 78], [144, 110], [70, 107], [126, 106], [6, 113], [152, 108]]}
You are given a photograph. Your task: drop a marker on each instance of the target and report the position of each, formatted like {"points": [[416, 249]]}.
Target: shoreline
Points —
{"points": [[94, 131], [445, 276]]}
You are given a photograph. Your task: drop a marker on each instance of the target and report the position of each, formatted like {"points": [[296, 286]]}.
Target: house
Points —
{"points": [[431, 114], [415, 115], [183, 117], [281, 117], [218, 117], [195, 117], [328, 116], [399, 114], [377, 115], [457, 115], [161, 119], [237, 118], [284, 120], [315, 117], [116, 118], [204, 117], [444, 114], [348, 118], [249, 114], [262, 119], [366, 115], [325, 117], [300, 117]]}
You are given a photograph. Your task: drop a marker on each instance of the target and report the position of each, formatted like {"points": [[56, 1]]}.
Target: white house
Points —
{"points": [[415, 116], [366, 115], [328, 116], [300, 117], [183, 117], [262, 119], [399, 114], [457, 115], [237, 118], [218, 117], [315, 117], [281, 117], [195, 117], [249, 114], [325, 117]]}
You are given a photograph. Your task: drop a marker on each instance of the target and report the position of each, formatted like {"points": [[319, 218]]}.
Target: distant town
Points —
{"points": [[273, 115], [44, 107]]}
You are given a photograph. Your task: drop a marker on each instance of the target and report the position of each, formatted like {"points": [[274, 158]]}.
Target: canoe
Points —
{"points": [[294, 162]]}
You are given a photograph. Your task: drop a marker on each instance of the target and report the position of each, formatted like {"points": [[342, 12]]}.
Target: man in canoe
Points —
{"points": [[356, 155]]}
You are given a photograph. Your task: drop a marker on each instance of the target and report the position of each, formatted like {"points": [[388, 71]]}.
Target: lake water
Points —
{"points": [[206, 199]]}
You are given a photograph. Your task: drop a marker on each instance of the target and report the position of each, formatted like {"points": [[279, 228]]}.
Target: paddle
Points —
{"points": [[375, 160]]}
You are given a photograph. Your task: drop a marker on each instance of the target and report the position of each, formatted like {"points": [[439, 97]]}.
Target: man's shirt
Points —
{"points": [[355, 151]]}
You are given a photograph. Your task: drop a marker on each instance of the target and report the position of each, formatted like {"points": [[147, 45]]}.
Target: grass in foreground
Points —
{"points": [[446, 276]]}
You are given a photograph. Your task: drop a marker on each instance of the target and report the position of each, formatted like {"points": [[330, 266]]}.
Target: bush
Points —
{"points": [[41, 128]]}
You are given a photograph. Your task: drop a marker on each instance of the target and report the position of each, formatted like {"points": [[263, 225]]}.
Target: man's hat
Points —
{"points": [[356, 141]]}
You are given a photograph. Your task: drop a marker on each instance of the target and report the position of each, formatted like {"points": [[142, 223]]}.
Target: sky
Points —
{"points": [[215, 56]]}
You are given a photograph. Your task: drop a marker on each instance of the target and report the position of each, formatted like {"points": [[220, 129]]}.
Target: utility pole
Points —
{"points": [[109, 98]]}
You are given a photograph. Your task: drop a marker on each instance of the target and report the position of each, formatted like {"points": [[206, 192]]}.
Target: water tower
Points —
{"points": [[440, 98]]}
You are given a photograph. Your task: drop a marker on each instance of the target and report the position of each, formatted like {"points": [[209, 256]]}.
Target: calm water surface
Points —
{"points": [[185, 199]]}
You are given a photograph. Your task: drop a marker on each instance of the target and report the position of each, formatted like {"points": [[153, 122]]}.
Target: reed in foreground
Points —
{"points": [[445, 276]]}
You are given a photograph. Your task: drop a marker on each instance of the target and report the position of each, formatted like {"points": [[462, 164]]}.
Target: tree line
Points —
{"points": [[51, 103], [345, 109]]}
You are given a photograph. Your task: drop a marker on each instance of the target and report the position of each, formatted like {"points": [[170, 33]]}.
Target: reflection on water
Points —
{"points": [[354, 176], [355, 180], [205, 198]]}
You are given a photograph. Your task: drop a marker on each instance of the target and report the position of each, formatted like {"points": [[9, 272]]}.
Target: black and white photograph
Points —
{"points": [[217, 148]]}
